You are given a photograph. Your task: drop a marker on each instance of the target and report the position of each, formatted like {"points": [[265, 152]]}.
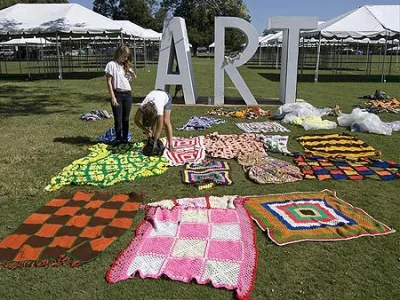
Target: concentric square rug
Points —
{"points": [[298, 217], [186, 150], [336, 145], [215, 246], [207, 173], [73, 228], [317, 167], [106, 165]]}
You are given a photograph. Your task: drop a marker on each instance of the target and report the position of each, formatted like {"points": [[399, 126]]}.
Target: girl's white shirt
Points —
{"points": [[120, 80]]}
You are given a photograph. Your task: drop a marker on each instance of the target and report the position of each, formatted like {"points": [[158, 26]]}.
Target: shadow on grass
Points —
{"points": [[334, 78], [75, 140]]}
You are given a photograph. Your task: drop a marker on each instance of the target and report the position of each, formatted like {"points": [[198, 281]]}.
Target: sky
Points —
{"points": [[261, 10]]}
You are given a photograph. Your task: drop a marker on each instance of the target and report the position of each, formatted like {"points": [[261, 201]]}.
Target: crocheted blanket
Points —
{"points": [[214, 246], [201, 123], [229, 146], [317, 167], [251, 112], [336, 144], [255, 127], [109, 136], [106, 165], [207, 174], [96, 115], [298, 217], [73, 228], [186, 150], [275, 143]]}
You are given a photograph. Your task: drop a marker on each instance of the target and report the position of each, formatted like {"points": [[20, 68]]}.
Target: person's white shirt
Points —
{"points": [[160, 99], [119, 79]]}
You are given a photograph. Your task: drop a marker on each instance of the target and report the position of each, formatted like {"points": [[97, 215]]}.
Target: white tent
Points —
{"points": [[27, 41], [54, 18], [131, 29], [371, 21]]}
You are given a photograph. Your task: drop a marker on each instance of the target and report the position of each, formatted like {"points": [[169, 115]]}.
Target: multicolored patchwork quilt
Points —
{"points": [[317, 167], [214, 246], [201, 123], [207, 173], [107, 165], [257, 127], [73, 228], [298, 217], [336, 144], [186, 150]]}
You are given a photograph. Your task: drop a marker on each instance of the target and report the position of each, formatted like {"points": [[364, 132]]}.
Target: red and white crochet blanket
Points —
{"points": [[186, 150]]}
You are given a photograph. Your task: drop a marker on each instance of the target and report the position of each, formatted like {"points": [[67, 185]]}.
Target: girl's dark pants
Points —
{"points": [[121, 114]]}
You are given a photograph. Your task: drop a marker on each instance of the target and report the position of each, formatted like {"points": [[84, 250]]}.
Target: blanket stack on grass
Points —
{"points": [[210, 245], [73, 228]]}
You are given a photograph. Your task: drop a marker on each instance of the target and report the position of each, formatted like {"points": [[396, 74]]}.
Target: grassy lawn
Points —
{"points": [[42, 133]]}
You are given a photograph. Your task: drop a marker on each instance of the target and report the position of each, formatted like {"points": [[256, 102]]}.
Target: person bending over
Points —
{"points": [[154, 113]]}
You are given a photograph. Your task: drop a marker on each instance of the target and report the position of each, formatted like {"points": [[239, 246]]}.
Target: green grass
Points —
{"points": [[41, 133]]}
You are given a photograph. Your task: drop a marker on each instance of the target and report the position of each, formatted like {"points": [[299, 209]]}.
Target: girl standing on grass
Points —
{"points": [[118, 74]]}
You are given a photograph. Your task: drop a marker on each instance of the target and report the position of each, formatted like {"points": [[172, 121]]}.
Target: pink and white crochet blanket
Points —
{"points": [[210, 245], [187, 150]]}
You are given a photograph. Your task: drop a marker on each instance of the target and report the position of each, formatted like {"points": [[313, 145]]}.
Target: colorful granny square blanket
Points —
{"points": [[106, 165], [266, 126], [187, 150], [214, 246], [207, 173], [73, 228], [298, 217], [201, 123], [336, 144], [229, 146], [317, 167]]}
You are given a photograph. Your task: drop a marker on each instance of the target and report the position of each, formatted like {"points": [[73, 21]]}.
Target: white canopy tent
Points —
{"points": [[57, 19], [27, 41], [131, 29]]}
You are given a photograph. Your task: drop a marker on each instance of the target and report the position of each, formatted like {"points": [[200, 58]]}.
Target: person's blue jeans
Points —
{"points": [[121, 114]]}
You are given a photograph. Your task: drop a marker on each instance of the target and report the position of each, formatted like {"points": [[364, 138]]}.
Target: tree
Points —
{"points": [[199, 17], [7, 3]]}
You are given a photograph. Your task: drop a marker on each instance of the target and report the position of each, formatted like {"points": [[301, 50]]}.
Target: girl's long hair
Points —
{"points": [[124, 49], [149, 111]]}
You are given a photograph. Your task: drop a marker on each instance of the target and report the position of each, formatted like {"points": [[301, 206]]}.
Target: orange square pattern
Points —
{"points": [[36, 218], [102, 243], [106, 213], [92, 232], [28, 253], [79, 221], [80, 196], [63, 241], [121, 223], [130, 206], [13, 241], [94, 204], [67, 211], [48, 230], [57, 202], [119, 198]]}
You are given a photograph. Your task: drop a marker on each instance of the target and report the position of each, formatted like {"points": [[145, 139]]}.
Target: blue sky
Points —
{"points": [[261, 10]]}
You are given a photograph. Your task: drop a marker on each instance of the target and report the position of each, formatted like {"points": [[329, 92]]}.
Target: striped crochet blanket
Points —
{"points": [[186, 150], [257, 127], [336, 144], [73, 228], [210, 245]]}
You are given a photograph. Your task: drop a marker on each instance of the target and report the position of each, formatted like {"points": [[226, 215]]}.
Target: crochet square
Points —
{"points": [[159, 246], [225, 232], [296, 217], [193, 231], [189, 248], [218, 216], [147, 264], [222, 273], [225, 250], [194, 216]]}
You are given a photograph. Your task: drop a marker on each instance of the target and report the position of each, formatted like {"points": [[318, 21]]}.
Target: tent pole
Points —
{"points": [[134, 53], [144, 54], [58, 58], [366, 60], [341, 57], [318, 54], [391, 58], [302, 57], [277, 56], [259, 55], [383, 76]]}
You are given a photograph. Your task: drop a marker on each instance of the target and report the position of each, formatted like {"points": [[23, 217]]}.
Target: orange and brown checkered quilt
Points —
{"points": [[73, 228]]}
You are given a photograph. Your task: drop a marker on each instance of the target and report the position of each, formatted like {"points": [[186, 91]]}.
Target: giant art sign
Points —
{"points": [[175, 42]]}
